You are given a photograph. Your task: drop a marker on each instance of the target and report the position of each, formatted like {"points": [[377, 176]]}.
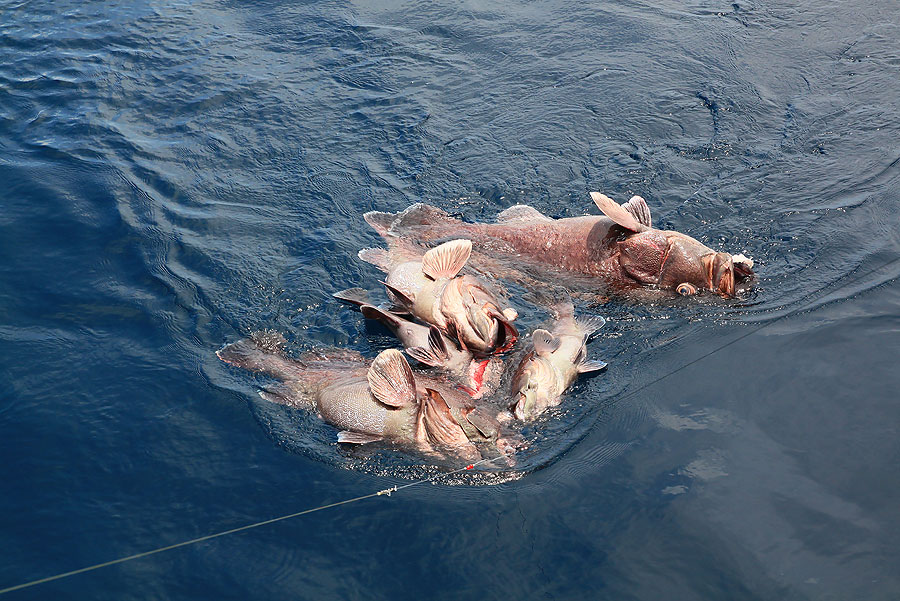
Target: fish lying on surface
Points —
{"points": [[619, 250], [554, 362], [428, 345], [461, 306], [367, 403]]}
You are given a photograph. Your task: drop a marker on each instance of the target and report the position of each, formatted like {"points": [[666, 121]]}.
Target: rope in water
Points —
{"points": [[393, 489]]}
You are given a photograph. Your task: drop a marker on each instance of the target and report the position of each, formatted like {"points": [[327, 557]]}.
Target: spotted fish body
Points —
{"points": [[370, 402]]}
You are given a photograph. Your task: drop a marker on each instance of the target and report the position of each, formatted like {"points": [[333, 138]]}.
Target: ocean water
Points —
{"points": [[174, 176]]}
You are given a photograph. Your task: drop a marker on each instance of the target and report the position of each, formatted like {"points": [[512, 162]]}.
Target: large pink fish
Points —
{"points": [[619, 250], [368, 403]]}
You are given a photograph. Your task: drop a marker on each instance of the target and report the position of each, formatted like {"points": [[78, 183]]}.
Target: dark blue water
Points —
{"points": [[176, 175]]}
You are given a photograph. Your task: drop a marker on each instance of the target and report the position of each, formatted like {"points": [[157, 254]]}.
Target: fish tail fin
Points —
{"points": [[380, 222], [378, 257]]}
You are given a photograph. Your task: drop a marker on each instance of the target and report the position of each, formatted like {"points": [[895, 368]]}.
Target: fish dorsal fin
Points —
{"points": [[637, 206], [446, 260], [591, 365], [617, 213], [391, 380], [545, 343], [436, 354], [356, 437], [522, 214], [380, 222]]}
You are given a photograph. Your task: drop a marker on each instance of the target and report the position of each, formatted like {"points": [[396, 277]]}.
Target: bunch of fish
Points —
{"points": [[474, 388]]}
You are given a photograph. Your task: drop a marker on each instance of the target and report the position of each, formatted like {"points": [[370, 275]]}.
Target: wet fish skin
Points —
{"points": [[428, 345], [553, 364], [619, 250], [430, 287], [368, 402]]}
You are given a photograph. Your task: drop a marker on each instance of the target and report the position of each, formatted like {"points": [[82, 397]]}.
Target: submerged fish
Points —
{"points": [[461, 306], [368, 403], [554, 362], [619, 250], [428, 345]]}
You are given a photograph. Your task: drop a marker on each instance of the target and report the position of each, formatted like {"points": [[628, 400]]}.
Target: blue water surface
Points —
{"points": [[175, 175]]}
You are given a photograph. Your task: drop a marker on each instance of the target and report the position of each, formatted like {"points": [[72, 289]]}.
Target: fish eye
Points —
{"points": [[685, 289]]}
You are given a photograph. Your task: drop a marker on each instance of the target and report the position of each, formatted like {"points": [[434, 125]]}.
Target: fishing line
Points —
{"points": [[393, 489], [386, 492]]}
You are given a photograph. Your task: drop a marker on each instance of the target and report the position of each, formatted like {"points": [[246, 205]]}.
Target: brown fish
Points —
{"points": [[619, 250], [556, 359], [461, 306], [478, 376], [367, 403]]}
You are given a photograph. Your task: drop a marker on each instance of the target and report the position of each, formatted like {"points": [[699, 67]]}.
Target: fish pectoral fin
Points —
{"points": [[617, 213], [483, 422], [354, 296], [388, 319], [357, 437], [545, 343], [436, 354], [637, 206], [446, 260], [424, 355], [442, 429], [397, 297], [589, 324], [522, 214], [591, 365], [391, 380]]}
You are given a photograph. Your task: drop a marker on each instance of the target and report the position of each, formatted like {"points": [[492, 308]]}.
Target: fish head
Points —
{"points": [[670, 260], [477, 317], [534, 388], [678, 262], [689, 266]]}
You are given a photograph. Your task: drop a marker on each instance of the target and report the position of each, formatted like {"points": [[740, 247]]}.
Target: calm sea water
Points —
{"points": [[176, 175]]}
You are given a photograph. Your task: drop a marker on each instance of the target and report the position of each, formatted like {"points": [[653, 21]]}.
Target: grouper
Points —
{"points": [[478, 376], [617, 251], [431, 288], [555, 360], [369, 402]]}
